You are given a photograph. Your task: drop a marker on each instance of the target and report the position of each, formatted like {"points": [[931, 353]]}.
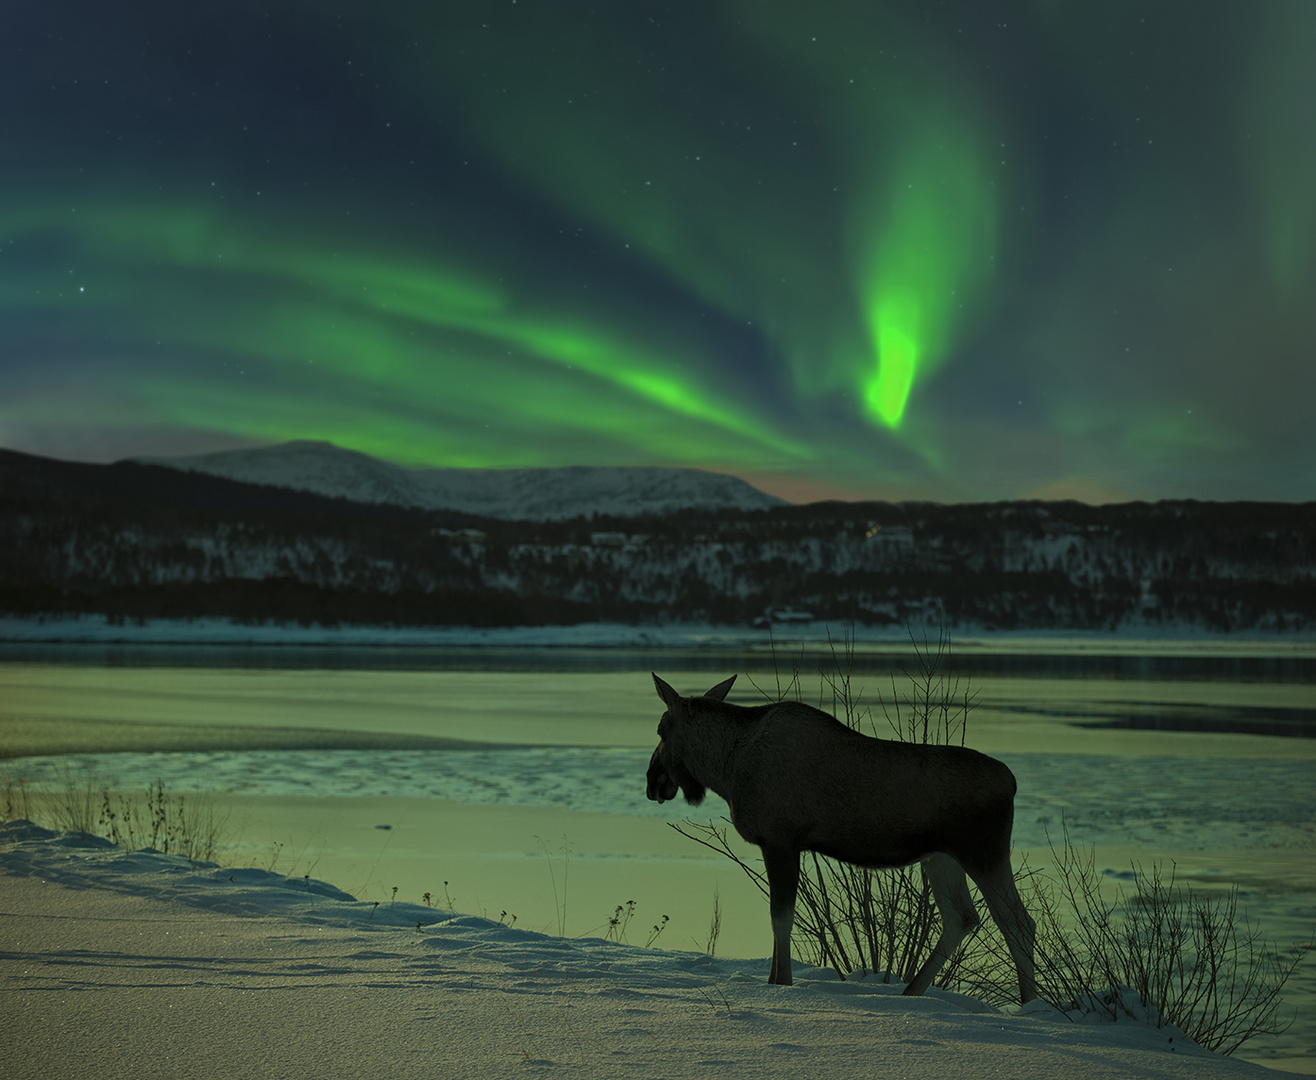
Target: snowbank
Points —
{"points": [[139, 964]]}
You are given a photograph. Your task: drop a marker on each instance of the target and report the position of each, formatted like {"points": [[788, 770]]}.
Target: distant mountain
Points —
{"points": [[26, 478], [547, 494]]}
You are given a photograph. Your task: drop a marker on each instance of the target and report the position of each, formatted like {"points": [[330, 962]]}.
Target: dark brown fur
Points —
{"points": [[796, 779]]}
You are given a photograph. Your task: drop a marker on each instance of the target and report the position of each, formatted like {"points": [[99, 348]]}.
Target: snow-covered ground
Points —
{"points": [[138, 965]]}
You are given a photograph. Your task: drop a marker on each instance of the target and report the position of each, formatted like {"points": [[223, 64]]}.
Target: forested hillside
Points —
{"points": [[131, 544]]}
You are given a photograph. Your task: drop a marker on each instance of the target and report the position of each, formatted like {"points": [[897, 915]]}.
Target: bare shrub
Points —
{"points": [[172, 824]]}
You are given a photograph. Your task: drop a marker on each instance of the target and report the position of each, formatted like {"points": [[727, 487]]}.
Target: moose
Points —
{"points": [[796, 779]]}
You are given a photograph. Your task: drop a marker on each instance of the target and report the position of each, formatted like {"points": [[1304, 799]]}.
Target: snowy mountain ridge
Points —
{"points": [[535, 494]]}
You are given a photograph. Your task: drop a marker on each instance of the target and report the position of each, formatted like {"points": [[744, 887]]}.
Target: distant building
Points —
{"points": [[901, 535]]}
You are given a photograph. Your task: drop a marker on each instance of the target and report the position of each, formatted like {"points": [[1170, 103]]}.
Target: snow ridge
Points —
{"points": [[544, 494]]}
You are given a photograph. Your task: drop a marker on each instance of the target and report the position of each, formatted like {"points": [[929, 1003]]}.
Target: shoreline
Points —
{"points": [[1171, 640]]}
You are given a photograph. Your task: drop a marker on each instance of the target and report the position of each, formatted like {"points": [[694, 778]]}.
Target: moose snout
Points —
{"points": [[659, 787]]}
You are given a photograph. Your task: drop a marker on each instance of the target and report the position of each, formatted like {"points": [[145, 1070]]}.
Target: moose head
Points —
{"points": [[667, 770]]}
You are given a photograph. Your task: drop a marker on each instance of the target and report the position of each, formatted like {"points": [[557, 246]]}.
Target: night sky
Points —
{"points": [[961, 251]]}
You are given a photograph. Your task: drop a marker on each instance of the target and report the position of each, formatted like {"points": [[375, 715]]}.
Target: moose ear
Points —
{"points": [[670, 697], [720, 690]]}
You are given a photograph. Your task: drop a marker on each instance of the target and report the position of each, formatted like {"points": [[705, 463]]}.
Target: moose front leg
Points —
{"points": [[783, 869]]}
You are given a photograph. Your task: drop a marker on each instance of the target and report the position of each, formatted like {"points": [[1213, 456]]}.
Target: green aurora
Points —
{"points": [[1046, 250]]}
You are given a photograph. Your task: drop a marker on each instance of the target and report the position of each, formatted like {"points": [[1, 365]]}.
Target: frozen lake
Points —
{"points": [[516, 776]]}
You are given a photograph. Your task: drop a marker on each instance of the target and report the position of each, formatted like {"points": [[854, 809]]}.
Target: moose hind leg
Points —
{"points": [[783, 870], [959, 917], [1017, 926]]}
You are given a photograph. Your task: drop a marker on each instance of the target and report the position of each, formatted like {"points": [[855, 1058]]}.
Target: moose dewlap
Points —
{"points": [[796, 779]]}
